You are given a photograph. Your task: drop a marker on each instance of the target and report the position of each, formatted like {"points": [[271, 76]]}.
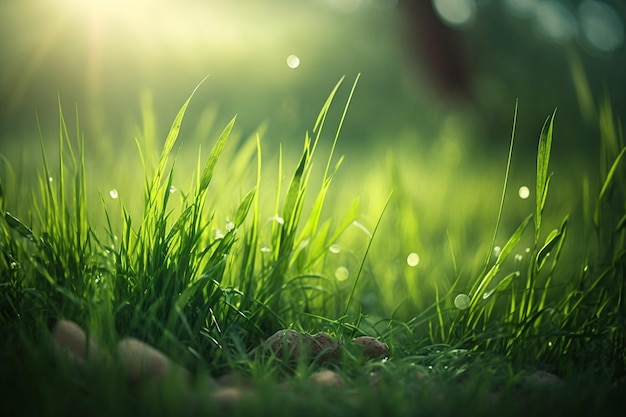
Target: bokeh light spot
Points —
{"points": [[342, 273], [462, 301], [522, 8], [602, 27], [293, 61], [413, 259], [554, 21], [524, 192], [456, 13], [113, 194]]}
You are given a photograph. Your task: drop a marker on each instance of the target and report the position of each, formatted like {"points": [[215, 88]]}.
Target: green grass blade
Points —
{"points": [[611, 174], [504, 187], [543, 177], [369, 245], [209, 167]]}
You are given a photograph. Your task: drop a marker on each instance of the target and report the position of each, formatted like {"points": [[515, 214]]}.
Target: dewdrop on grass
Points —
{"points": [[334, 248], [276, 218], [462, 301], [113, 194]]}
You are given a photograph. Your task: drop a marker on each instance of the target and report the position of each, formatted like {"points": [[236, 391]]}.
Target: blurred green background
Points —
{"points": [[421, 62]]}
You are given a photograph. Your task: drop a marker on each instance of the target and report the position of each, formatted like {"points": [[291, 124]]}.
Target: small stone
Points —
{"points": [[325, 348], [543, 379], [70, 338], [372, 348], [234, 380], [328, 378], [228, 396], [143, 362], [288, 344]]}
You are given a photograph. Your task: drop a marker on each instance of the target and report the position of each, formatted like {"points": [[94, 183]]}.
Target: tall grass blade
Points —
{"points": [[543, 177]]}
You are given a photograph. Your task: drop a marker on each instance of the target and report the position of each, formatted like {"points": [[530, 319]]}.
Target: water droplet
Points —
{"points": [[50, 179], [113, 194], [13, 265], [518, 273], [462, 301], [342, 273], [549, 344], [172, 189], [334, 248], [229, 225], [219, 234], [496, 251], [524, 192], [527, 250], [276, 218], [363, 228], [293, 61], [456, 13], [518, 257], [413, 259], [265, 249]]}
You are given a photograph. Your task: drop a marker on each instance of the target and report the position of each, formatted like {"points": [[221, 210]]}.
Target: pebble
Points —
{"points": [[69, 338], [325, 348], [328, 378], [372, 347], [143, 362], [288, 344]]}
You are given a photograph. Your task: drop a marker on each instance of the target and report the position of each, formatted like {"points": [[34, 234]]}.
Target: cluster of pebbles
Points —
{"points": [[143, 363]]}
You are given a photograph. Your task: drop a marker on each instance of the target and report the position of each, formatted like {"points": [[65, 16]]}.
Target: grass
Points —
{"points": [[205, 269]]}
